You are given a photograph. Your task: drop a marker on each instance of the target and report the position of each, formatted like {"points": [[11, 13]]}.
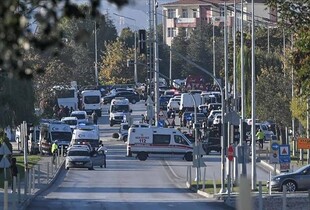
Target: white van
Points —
{"points": [[155, 140], [119, 111], [187, 102], [91, 101], [82, 136]]}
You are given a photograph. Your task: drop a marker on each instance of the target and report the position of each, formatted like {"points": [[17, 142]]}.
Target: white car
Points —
{"points": [[80, 115], [212, 115], [71, 121], [174, 104], [78, 158]]}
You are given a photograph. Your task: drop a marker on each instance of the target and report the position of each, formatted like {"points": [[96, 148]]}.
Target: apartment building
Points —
{"points": [[189, 14]]}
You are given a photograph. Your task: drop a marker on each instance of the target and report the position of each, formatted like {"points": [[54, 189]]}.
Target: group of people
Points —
{"points": [[62, 111]]}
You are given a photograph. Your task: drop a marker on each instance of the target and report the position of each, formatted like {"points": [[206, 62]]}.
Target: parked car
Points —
{"points": [[133, 97], [297, 180]]}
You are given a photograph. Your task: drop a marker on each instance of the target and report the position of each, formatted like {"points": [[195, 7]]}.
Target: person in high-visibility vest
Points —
{"points": [[260, 138], [54, 150]]}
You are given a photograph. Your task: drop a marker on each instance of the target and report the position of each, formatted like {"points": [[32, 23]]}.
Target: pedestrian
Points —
{"points": [[260, 135], [54, 150], [14, 171], [94, 117]]}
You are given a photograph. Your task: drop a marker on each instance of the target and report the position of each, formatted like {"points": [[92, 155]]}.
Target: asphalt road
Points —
{"points": [[126, 183]]}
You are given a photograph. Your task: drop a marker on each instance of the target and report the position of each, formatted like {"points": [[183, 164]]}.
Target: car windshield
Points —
{"points": [[70, 122], [63, 136], [78, 153], [119, 108], [79, 116], [302, 169]]}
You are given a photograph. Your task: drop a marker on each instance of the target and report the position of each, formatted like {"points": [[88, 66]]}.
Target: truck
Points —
{"points": [[91, 101], [119, 111], [156, 140], [54, 131]]}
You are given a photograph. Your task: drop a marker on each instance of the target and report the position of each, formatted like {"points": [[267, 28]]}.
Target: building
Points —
{"points": [[189, 14]]}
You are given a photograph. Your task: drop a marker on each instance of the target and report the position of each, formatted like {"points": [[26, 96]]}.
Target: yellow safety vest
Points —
{"points": [[54, 147]]}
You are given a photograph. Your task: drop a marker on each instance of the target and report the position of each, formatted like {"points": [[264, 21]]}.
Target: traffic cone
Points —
{"points": [[129, 153]]}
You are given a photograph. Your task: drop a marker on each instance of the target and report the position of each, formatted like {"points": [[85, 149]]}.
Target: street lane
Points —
{"points": [[126, 184]]}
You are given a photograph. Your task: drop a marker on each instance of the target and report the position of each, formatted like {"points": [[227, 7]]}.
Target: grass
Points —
{"points": [[32, 160], [210, 189]]}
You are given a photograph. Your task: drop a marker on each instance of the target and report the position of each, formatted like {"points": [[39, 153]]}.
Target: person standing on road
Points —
{"points": [[94, 117], [14, 171], [54, 150], [260, 135]]}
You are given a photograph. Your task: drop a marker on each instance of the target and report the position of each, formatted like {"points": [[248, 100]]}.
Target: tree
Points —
{"points": [[295, 18], [179, 44], [114, 68]]}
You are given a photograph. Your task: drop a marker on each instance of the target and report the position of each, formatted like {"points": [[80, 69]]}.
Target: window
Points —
{"points": [[171, 32], [180, 140], [171, 13], [184, 13], [195, 14], [222, 12], [161, 139]]}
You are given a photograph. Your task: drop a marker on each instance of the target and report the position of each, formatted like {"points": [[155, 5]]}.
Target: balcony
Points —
{"points": [[185, 22]]}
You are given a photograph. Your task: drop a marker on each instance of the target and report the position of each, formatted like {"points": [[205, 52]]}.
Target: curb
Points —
{"points": [[27, 202]]}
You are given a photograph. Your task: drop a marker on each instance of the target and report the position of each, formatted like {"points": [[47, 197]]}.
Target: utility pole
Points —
{"points": [[156, 63], [253, 107], [96, 61], [242, 81]]}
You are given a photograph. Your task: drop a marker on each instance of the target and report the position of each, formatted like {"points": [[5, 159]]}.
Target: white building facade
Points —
{"points": [[189, 14]]}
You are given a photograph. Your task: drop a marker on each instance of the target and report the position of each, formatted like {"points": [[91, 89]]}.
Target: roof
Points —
{"points": [[207, 2], [198, 2]]}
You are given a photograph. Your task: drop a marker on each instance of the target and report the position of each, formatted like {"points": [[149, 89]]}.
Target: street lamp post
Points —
{"points": [[96, 61]]}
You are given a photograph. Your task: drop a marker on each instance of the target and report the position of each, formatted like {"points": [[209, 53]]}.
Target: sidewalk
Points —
{"points": [[40, 177]]}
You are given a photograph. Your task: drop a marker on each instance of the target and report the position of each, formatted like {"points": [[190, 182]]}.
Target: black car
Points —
{"points": [[133, 97]]}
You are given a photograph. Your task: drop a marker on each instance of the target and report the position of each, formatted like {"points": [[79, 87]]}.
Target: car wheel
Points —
{"points": [[67, 168], [290, 185], [133, 101], [125, 138], [111, 124], [142, 156], [101, 166], [188, 156]]}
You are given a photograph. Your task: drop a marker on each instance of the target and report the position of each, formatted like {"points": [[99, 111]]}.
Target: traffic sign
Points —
{"points": [[284, 156], [4, 150], [303, 143], [275, 146], [188, 118], [5, 163], [230, 153]]}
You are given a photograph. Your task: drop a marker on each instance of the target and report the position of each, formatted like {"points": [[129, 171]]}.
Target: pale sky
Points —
{"points": [[137, 9]]}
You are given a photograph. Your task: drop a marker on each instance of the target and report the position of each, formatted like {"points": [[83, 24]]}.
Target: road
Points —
{"points": [[126, 183]]}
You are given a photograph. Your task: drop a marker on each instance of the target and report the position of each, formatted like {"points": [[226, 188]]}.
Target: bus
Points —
{"points": [[66, 96]]}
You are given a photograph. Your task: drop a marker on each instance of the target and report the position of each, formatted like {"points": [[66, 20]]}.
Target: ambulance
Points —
{"points": [[85, 136], [156, 140], [119, 111], [51, 131]]}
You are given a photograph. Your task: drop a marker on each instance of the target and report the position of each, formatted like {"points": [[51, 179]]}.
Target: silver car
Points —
{"points": [[78, 158], [297, 180]]}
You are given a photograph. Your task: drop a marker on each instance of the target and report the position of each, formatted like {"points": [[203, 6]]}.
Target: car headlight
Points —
{"points": [[277, 178]]}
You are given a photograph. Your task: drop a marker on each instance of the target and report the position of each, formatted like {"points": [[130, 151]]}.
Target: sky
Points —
{"points": [[136, 9]]}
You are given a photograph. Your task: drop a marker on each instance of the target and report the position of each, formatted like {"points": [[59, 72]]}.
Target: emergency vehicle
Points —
{"points": [[85, 136], [119, 111], [52, 131], [91, 101], [155, 140]]}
